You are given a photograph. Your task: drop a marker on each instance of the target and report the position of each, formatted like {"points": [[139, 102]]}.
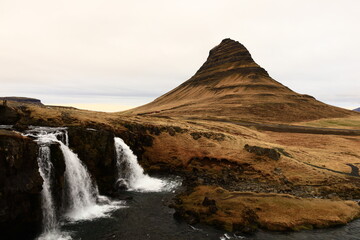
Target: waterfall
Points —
{"points": [[50, 224], [45, 169], [130, 172], [82, 192], [83, 201]]}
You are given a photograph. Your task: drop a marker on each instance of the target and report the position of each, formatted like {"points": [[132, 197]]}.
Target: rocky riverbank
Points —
{"points": [[248, 211]]}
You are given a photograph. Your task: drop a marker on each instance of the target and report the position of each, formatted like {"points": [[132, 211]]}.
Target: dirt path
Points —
{"points": [[354, 170]]}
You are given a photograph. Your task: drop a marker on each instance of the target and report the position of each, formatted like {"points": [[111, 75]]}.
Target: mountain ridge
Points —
{"points": [[231, 85]]}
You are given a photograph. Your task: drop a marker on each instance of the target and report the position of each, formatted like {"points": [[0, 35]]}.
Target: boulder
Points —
{"points": [[260, 151]]}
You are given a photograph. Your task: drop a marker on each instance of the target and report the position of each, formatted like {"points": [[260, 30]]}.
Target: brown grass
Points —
{"points": [[276, 212]]}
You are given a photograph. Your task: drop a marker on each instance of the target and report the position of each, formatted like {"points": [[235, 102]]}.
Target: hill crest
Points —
{"points": [[231, 85]]}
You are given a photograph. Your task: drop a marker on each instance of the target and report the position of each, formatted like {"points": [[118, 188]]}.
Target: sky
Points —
{"points": [[112, 55]]}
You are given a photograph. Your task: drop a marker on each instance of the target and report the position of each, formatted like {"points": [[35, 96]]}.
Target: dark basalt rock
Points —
{"points": [[95, 148], [198, 171], [250, 223], [121, 185], [58, 179], [20, 186], [214, 136], [211, 204], [8, 115], [260, 151], [190, 217]]}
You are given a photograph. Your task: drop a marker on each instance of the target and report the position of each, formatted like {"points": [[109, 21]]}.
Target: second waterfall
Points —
{"points": [[131, 174]]}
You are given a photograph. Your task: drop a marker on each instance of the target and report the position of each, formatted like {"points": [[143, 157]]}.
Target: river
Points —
{"points": [[146, 216]]}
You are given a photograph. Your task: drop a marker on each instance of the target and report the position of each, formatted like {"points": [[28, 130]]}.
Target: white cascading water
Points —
{"points": [[45, 170], [50, 223], [81, 192], [133, 174]]}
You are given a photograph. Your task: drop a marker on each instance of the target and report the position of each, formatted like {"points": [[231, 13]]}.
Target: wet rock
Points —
{"points": [[189, 216], [21, 127], [121, 185], [102, 200], [58, 178]]}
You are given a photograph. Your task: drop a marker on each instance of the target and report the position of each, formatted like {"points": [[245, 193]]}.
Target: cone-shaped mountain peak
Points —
{"points": [[228, 51], [229, 56], [231, 85]]}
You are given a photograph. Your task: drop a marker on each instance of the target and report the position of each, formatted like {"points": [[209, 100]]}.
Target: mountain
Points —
{"points": [[357, 109], [231, 85], [21, 100]]}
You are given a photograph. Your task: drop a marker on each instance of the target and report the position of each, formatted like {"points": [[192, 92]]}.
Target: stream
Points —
{"points": [[146, 216]]}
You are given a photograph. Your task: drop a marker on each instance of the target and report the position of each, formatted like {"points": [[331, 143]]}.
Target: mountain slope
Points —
{"points": [[230, 85], [357, 109]]}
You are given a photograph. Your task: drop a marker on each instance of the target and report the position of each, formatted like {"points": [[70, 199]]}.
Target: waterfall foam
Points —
{"points": [[130, 172], [83, 200]]}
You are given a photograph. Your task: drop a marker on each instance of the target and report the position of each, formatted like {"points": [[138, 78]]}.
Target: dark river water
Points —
{"points": [[146, 216]]}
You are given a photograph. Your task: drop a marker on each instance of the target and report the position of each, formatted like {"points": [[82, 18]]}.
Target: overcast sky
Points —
{"points": [[126, 53]]}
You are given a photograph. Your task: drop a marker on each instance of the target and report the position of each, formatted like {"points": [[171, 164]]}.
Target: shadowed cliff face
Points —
{"points": [[231, 85], [8, 115], [95, 148], [20, 184]]}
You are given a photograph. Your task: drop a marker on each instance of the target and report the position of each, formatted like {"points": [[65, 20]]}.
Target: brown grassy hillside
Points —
{"points": [[231, 85]]}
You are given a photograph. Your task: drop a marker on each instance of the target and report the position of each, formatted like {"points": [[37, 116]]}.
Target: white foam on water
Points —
{"points": [[83, 193], [84, 201], [54, 235], [94, 211]]}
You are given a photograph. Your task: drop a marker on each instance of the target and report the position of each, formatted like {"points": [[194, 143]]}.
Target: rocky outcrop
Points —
{"points": [[20, 185], [58, 178], [21, 100], [8, 115], [95, 148], [228, 52], [260, 151]]}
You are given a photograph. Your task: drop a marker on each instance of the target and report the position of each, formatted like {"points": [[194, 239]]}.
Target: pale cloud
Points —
{"points": [[61, 51]]}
